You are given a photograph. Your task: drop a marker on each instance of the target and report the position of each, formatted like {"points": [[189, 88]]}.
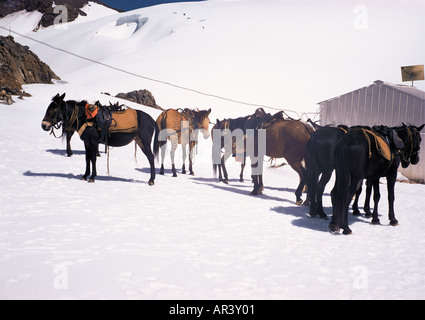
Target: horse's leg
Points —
{"points": [[220, 177], [256, 180], [366, 206], [174, 143], [326, 176], [298, 167], [147, 150], [163, 147], [184, 154], [242, 169], [93, 157], [192, 145], [391, 197], [224, 158], [87, 148], [258, 184], [354, 185], [226, 155], [69, 135], [376, 197], [356, 210]]}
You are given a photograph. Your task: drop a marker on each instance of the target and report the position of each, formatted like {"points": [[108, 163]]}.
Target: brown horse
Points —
{"points": [[285, 139], [181, 127]]}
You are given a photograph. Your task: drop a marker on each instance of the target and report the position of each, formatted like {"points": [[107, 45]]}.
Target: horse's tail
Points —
{"points": [[340, 199], [215, 166], [214, 150], [156, 141], [311, 174]]}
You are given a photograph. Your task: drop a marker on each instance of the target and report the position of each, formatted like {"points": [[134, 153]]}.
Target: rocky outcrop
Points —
{"points": [[144, 97], [19, 65], [46, 8]]}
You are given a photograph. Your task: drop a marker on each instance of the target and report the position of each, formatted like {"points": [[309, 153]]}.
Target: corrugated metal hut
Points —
{"points": [[380, 103]]}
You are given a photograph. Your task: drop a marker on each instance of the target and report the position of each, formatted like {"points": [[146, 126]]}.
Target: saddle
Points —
{"points": [[267, 119], [381, 145], [113, 119], [384, 137]]}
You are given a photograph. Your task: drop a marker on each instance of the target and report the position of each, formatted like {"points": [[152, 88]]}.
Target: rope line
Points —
{"points": [[153, 79]]}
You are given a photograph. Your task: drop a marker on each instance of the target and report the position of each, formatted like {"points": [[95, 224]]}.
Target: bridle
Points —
{"points": [[60, 119]]}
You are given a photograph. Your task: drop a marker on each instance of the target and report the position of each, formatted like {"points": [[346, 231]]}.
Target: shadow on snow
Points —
{"points": [[78, 177]]}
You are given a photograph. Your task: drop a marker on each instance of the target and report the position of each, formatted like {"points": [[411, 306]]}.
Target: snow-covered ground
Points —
{"points": [[190, 237]]}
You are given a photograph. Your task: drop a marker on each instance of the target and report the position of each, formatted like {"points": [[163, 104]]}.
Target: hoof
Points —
{"points": [[83, 178], [256, 192], [91, 180], [356, 213], [376, 222], [323, 216], [241, 180], [175, 175], [161, 173], [333, 227], [394, 223], [183, 171], [192, 173], [299, 202], [151, 183], [347, 231]]}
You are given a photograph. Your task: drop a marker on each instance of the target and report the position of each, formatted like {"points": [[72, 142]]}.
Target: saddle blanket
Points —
{"points": [[124, 121]]}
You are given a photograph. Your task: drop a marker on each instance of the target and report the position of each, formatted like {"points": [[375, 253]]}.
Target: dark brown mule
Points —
{"points": [[286, 139], [182, 127]]}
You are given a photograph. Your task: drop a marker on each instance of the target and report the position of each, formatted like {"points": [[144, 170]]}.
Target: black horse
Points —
{"points": [[409, 155], [72, 116], [319, 160], [358, 157]]}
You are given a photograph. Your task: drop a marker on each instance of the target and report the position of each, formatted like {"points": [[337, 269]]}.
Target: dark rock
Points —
{"points": [[19, 65], [46, 8], [144, 97]]}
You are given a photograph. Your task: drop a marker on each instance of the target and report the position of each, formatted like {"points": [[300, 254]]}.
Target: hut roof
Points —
{"points": [[412, 91]]}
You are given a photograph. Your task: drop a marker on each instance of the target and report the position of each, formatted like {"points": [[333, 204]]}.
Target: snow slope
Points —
{"points": [[275, 53], [187, 237]]}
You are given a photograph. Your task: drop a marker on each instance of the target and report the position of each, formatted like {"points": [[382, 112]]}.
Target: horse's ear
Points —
{"points": [[62, 96], [404, 125], [421, 127], [209, 111]]}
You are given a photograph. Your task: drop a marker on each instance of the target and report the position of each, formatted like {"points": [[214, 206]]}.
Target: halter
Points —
{"points": [[406, 156]]}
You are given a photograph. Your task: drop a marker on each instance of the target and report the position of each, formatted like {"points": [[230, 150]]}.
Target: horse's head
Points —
{"points": [[54, 113], [202, 121], [410, 154]]}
